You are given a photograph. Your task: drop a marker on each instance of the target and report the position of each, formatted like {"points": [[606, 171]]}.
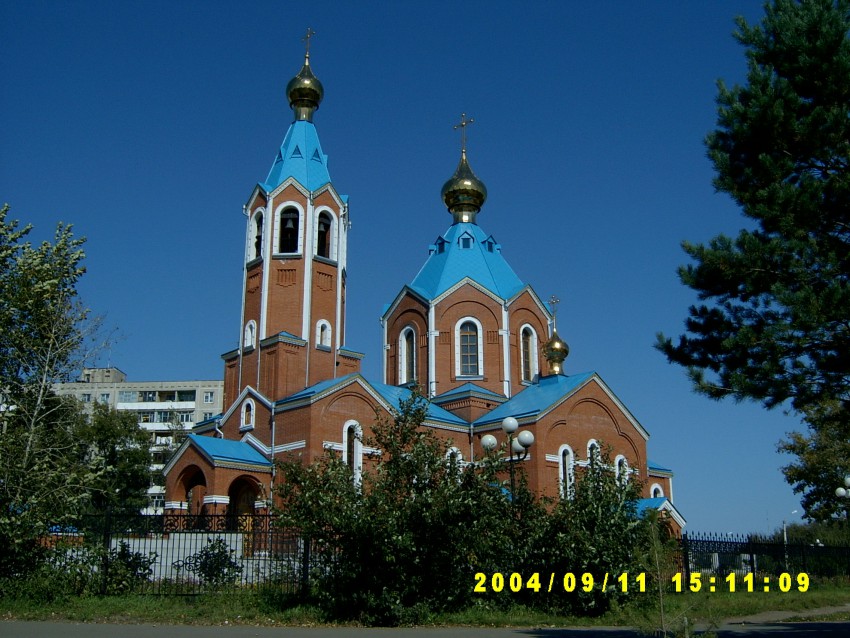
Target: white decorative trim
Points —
{"points": [[332, 234], [356, 448], [505, 333], [653, 488], [215, 499], [534, 364], [277, 228], [479, 342], [323, 342], [259, 505], [569, 471], [403, 354], [176, 505]]}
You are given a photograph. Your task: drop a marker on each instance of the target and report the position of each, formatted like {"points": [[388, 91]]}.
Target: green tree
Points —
{"points": [[409, 538], [118, 452], [43, 328], [773, 322], [596, 531]]}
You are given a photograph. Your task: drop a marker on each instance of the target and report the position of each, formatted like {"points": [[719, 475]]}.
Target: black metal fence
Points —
{"points": [[177, 554], [722, 554], [185, 554]]}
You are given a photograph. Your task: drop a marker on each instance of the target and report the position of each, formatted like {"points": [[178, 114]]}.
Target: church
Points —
{"points": [[477, 340]]}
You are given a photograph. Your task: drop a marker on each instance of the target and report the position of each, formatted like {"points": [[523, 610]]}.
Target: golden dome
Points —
{"points": [[464, 193], [556, 350], [305, 92]]}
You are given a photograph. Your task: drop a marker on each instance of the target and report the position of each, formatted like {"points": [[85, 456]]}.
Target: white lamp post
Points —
{"points": [[518, 445], [844, 492]]}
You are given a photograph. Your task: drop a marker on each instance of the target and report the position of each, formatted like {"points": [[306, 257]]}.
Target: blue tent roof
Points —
{"points": [[300, 157], [228, 451], [536, 397], [465, 250]]}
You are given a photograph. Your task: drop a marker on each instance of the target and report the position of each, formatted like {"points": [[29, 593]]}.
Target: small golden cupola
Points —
{"points": [[556, 350], [304, 91], [464, 193]]}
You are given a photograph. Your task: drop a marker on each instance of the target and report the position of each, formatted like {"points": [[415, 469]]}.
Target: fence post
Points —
{"points": [[686, 558], [305, 567], [107, 538]]}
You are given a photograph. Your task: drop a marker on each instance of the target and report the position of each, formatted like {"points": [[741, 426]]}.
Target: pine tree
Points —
{"points": [[773, 322]]}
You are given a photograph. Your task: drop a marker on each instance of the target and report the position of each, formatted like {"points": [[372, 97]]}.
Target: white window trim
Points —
{"points": [[358, 449], [534, 368], [332, 231], [249, 339], [243, 427], [593, 443], [326, 343], [277, 223], [252, 235], [656, 487], [480, 348], [622, 459], [567, 490], [403, 354]]}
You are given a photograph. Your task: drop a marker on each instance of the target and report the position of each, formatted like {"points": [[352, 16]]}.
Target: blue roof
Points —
{"points": [[643, 505], [227, 450], [300, 157], [467, 389], [392, 394], [465, 250], [652, 465], [537, 397]]}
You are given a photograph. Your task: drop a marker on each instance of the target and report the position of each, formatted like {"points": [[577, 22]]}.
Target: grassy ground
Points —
{"points": [[706, 609]]}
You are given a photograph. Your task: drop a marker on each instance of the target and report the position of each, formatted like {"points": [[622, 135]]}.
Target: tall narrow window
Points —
{"points": [[323, 235], [351, 439], [567, 471], [352, 446], [469, 349], [407, 356], [250, 334], [288, 236], [526, 355], [258, 236]]}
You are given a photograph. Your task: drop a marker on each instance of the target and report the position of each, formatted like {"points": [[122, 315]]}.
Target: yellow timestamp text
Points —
{"points": [[568, 582], [696, 581]]}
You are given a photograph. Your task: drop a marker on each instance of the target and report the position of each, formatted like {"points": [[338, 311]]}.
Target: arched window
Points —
{"points": [[324, 235], [247, 415], [288, 235], [407, 355], [468, 348], [593, 453], [352, 446], [621, 469], [528, 353], [656, 491], [257, 247], [250, 338], [566, 471], [323, 334]]}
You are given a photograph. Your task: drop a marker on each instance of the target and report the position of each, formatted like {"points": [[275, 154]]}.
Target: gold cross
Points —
{"points": [[462, 126], [306, 38], [553, 307]]}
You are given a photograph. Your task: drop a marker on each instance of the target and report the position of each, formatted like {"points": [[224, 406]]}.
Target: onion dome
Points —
{"points": [[305, 92], [556, 350], [464, 193]]}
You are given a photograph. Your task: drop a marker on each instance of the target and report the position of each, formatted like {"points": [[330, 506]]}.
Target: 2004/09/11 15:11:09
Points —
{"points": [[693, 582], [750, 582]]}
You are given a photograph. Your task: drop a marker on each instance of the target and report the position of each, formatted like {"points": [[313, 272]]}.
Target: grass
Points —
{"points": [[252, 608]]}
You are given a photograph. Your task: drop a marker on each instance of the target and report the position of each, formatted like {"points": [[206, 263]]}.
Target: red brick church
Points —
{"points": [[477, 340]]}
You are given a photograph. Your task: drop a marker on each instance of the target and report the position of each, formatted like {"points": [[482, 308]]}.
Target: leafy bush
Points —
{"points": [[214, 564]]}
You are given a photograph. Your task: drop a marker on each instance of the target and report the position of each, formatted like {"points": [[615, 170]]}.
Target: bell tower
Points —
{"points": [[292, 327]]}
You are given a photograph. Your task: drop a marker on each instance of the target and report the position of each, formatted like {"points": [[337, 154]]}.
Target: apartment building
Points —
{"points": [[165, 409]]}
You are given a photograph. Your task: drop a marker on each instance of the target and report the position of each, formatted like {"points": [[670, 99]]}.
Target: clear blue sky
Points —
{"points": [[147, 124]]}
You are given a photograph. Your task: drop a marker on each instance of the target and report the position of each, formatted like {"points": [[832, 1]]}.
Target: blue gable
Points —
{"points": [[466, 251], [228, 451]]}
